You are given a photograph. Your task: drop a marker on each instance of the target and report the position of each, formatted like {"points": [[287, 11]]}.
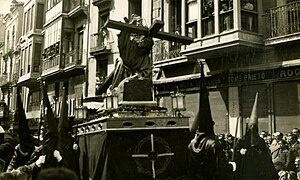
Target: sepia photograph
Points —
{"points": [[150, 89]]}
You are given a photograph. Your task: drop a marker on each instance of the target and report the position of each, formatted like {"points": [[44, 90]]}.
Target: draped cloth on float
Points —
{"points": [[108, 155], [134, 53]]}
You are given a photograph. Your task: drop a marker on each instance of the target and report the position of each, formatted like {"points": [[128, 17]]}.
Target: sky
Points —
{"points": [[4, 6]]}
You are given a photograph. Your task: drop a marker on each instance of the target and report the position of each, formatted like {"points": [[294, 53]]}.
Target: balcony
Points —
{"points": [[4, 82], [164, 50], [77, 8], [29, 79], [52, 65], [101, 43], [54, 12], [101, 3], [225, 43], [283, 24], [73, 61]]}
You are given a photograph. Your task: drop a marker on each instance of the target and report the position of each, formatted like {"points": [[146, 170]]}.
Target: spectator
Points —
{"points": [[14, 175], [294, 152], [57, 173], [279, 155], [296, 131]]}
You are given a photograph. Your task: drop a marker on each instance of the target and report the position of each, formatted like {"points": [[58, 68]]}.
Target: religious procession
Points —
{"points": [[149, 90]]}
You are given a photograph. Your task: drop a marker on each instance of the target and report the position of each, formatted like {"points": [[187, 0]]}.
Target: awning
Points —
{"points": [[94, 105]]}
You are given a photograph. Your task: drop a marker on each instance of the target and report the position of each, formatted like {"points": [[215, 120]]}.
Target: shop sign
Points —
{"points": [[253, 76], [235, 78]]}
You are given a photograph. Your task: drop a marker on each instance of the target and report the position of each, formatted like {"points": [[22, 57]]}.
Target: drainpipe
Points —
{"points": [[87, 51]]}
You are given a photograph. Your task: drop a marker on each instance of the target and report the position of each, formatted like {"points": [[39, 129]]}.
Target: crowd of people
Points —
{"points": [[22, 161], [283, 149]]}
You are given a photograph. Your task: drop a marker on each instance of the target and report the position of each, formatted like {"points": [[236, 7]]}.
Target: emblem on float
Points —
{"points": [[152, 155]]}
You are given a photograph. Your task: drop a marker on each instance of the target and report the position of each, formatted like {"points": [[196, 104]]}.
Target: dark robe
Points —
{"points": [[134, 53], [20, 157], [208, 160], [257, 163], [7, 147]]}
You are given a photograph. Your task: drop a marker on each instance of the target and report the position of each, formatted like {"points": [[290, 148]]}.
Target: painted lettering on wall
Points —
{"points": [[289, 73], [246, 77]]}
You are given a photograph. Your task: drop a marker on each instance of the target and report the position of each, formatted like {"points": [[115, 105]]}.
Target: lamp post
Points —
{"points": [[178, 103], [80, 113], [110, 102]]}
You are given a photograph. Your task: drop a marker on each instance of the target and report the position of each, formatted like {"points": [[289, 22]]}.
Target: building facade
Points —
{"points": [[30, 45], [65, 51], [11, 57], [247, 46]]}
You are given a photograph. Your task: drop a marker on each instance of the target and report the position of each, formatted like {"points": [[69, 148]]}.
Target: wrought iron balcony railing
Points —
{"points": [[163, 50], [74, 57], [101, 41], [34, 106], [76, 3], [283, 20], [51, 62]]}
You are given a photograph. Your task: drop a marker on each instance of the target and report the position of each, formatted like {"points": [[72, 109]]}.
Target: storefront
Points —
{"points": [[232, 95]]}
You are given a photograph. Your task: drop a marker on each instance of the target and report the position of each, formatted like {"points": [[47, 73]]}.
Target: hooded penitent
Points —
{"points": [[256, 163], [203, 120], [26, 140], [65, 140], [50, 138], [252, 132]]}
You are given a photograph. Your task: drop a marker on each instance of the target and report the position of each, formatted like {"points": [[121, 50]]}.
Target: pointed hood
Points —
{"points": [[63, 124], [253, 120], [20, 116], [50, 139], [252, 137], [203, 120], [49, 115]]}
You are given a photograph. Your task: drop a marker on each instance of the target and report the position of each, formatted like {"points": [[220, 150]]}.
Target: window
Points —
{"points": [[37, 56], [208, 17], [25, 23], [34, 101], [135, 7], [191, 24], [7, 40], [40, 16], [101, 74], [175, 14], [175, 24], [249, 15], [22, 63], [156, 10], [25, 61], [102, 35], [80, 46], [52, 3], [29, 20], [13, 37], [226, 15], [29, 59]]}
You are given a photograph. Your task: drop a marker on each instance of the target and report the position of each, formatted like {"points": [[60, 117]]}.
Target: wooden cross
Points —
{"points": [[153, 31]]}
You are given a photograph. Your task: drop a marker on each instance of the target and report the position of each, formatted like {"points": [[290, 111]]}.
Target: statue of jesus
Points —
{"points": [[134, 52]]}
